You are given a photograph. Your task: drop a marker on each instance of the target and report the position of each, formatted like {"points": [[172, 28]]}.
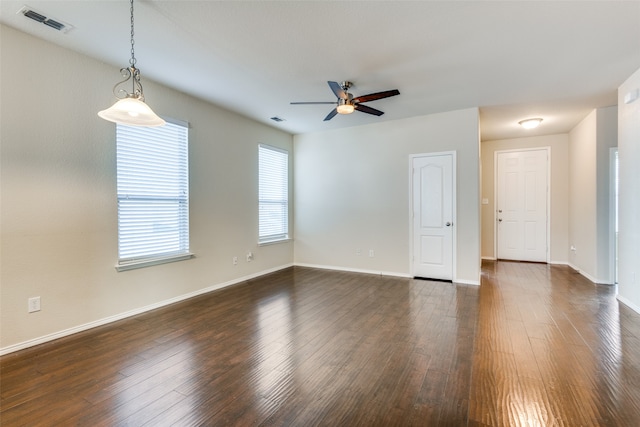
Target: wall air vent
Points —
{"points": [[38, 16]]}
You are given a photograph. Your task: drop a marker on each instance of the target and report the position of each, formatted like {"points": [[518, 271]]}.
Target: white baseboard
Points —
{"points": [[591, 278], [100, 322], [628, 303], [467, 282], [489, 258], [354, 270], [380, 273]]}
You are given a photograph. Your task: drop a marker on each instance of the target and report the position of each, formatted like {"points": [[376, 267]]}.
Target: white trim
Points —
{"points": [[589, 277], [100, 322], [132, 265], [628, 303], [275, 242], [495, 196], [354, 270], [467, 282], [489, 258], [613, 151]]}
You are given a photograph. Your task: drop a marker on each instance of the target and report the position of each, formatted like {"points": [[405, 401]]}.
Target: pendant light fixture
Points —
{"points": [[130, 109]]}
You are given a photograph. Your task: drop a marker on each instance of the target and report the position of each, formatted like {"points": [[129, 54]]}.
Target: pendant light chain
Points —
{"points": [[130, 109], [132, 61]]}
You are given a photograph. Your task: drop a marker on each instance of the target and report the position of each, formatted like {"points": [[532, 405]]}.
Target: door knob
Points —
{"points": [[499, 219], [448, 224]]}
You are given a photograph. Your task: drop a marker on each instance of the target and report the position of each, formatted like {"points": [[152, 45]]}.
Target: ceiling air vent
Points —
{"points": [[277, 119], [38, 16]]}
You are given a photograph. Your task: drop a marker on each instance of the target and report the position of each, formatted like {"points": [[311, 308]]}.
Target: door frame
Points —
{"points": [[613, 215], [454, 211], [495, 197]]}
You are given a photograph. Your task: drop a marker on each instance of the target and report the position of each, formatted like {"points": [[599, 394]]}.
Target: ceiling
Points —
{"points": [[514, 59]]}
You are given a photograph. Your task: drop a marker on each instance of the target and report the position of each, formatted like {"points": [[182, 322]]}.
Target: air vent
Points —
{"points": [[34, 15], [277, 119], [55, 24], [38, 16]]}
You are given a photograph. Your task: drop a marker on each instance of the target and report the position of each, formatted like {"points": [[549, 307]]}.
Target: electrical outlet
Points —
{"points": [[358, 252], [371, 253], [34, 304], [249, 256], [235, 260]]}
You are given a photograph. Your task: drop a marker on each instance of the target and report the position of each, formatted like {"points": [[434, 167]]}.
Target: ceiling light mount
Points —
{"points": [[530, 123], [130, 109]]}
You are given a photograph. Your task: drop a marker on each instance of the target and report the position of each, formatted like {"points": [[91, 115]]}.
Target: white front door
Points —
{"points": [[521, 214], [433, 215]]}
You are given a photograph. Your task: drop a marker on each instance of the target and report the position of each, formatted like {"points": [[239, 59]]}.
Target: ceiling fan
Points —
{"points": [[346, 103]]}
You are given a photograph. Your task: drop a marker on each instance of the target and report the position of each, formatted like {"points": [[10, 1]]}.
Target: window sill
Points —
{"points": [[132, 265], [273, 242]]}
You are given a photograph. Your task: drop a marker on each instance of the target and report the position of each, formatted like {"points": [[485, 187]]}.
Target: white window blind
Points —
{"points": [[153, 192], [273, 194]]}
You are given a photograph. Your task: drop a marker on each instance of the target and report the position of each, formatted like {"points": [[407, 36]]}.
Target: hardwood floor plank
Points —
{"points": [[533, 345]]}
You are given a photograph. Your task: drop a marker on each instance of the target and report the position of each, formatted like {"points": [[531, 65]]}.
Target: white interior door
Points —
{"points": [[521, 214], [433, 216]]}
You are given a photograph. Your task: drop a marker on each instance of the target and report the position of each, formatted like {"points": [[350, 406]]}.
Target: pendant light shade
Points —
{"points": [[132, 112], [130, 109]]}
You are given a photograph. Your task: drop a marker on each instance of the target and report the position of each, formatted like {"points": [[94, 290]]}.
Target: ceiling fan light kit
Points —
{"points": [[347, 104], [130, 109]]}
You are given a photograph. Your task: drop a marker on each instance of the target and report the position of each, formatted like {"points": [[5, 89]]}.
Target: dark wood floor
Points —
{"points": [[535, 345]]}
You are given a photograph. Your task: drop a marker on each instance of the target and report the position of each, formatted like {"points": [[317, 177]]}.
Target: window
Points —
{"points": [[153, 194], [273, 194]]}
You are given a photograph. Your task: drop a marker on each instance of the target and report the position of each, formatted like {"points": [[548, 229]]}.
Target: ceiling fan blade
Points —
{"points": [[310, 103], [377, 95], [368, 110], [337, 90], [331, 115]]}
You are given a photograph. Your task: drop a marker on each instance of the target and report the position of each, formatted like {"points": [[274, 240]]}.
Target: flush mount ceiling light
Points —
{"points": [[530, 123], [130, 109]]}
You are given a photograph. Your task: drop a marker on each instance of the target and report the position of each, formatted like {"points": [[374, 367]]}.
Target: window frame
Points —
{"points": [[174, 190], [272, 238]]}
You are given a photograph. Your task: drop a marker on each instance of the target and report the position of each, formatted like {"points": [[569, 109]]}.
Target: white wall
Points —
{"points": [[582, 196], [352, 192], [58, 206], [629, 194], [607, 137], [559, 187], [589, 179]]}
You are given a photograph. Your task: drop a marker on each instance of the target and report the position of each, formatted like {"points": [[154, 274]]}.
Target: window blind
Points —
{"points": [[273, 194], [153, 192]]}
